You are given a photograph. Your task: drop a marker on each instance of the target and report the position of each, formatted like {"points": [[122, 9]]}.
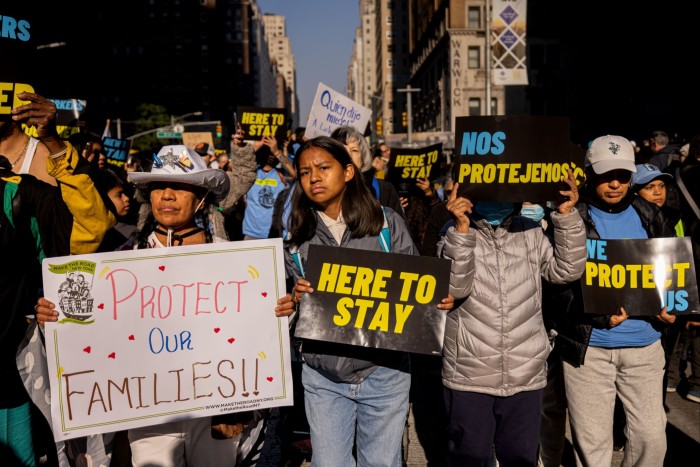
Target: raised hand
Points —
{"points": [[459, 207]]}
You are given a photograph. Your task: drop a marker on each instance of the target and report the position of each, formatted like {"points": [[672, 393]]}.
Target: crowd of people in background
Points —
{"points": [[558, 358]]}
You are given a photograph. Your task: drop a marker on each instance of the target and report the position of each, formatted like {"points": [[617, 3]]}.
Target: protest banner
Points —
{"points": [[192, 138], [408, 164], [263, 121], [330, 109], [642, 276], [68, 116], [519, 158], [372, 299], [18, 47], [157, 335], [116, 150]]}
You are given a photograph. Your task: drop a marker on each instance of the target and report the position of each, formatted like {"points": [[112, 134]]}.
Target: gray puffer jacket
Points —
{"points": [[495, 340], [343, 363]]}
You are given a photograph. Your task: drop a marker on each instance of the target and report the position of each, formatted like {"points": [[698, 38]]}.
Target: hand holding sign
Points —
{"points": [[459, 207], [570, 196]]}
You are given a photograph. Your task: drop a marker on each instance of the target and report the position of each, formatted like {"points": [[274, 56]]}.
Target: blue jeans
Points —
{"points": [[376, 408]]}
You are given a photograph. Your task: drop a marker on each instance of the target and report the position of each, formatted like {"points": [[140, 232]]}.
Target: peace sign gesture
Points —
{"points": [[459, 207]]}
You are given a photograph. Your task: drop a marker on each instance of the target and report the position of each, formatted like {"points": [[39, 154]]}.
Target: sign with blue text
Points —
{"points": [[157, 335], [514, 158], [330, 109], [643, 276]]}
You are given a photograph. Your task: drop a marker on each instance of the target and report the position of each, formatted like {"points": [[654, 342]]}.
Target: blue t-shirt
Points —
{"points": [[260, 200], [631, 332]]}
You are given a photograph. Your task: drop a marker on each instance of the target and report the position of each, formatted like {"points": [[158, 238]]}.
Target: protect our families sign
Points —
{"points": [[642, 276], [380, 300], [150, 336], [331, 109]]}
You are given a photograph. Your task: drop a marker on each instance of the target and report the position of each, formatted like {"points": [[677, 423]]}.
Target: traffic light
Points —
{"points": [[404, 119], [379, 126], [218, 131]]}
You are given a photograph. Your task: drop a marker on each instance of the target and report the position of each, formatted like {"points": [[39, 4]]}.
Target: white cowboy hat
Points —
{"points": [[179, 164]]}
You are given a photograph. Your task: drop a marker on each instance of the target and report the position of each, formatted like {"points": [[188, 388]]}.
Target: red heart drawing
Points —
{"points": [[87, 349], [131, 337], [217, 330], [230, 340], [264, 294], [162, 268], [245, 394], [270, 378], [101, 306], [112, 355]]}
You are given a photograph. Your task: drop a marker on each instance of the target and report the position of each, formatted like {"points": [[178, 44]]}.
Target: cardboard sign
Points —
{"points": [[262, 121], [372, 299], [192, 138], [642, 276], [116, 150], [157, 335], [331, 109], [520, 158]]}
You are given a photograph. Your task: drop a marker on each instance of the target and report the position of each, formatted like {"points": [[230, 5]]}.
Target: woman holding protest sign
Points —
{"points": [[365, 389], [182, 196]]}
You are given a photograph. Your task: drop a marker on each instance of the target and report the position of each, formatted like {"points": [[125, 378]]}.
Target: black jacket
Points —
{"points": [[574, 330]]}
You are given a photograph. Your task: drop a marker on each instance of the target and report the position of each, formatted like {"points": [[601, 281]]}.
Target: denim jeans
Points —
{"points": [[376, 408]]}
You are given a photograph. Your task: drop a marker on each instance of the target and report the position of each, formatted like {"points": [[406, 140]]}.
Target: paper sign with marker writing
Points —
{"points": [[373, 299], [331, 109], [156, 335]]}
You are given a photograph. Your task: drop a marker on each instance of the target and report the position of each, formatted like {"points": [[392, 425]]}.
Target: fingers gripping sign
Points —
{"points": [[459, 207]]}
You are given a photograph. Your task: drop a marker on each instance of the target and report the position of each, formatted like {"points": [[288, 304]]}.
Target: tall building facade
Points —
{"points": [[210, 56], [436, 50], [280, 52]]}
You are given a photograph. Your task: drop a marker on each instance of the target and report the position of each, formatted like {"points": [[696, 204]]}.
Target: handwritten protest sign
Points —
{"points": [[192, 138], [642, 276], [262, 121], [330, 109], [381, 300], [116, 150], [157, 335], [514, 158]]}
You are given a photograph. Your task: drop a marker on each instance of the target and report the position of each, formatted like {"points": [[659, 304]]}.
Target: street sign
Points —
{"points": [[169, 134]]}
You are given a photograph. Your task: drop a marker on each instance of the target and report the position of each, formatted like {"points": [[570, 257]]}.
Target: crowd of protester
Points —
{"points": [[511, 367]]}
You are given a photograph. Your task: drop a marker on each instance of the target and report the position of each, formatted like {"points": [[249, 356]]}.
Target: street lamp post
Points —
{"points": [[409, 112]]}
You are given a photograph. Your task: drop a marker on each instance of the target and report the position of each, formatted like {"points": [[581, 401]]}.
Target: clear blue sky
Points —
{"points": [[321, 33]]}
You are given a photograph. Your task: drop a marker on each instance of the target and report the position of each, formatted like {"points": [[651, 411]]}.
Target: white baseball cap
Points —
{"points": [[610, 152]]}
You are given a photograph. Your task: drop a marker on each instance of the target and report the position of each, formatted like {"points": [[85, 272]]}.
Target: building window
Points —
{"points": [[474, 17], [390, 34], [474, 57], [494, 106], [389, 20], [390, 63], [474, 106]]}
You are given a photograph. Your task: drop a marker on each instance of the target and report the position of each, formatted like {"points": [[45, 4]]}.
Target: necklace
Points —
{"points": [[21, 153]]}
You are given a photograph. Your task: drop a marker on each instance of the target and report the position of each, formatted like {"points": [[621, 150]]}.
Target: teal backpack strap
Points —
{"points": [[9, 195], [385, 235], [294, 251]]}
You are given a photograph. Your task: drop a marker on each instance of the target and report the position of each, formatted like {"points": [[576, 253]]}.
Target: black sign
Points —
{"points": [[373, 299], [514, 158], [642, 276]]}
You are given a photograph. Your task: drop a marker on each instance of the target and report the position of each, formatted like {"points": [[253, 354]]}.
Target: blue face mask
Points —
{"points": [[532, 211], [494, 213]]}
